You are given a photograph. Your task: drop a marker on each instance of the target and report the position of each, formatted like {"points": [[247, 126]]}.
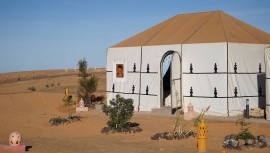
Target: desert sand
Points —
{"points": [[29, 112]]}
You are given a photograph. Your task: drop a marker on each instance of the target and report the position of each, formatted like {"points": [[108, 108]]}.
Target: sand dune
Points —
{"points": [[28, 112]]}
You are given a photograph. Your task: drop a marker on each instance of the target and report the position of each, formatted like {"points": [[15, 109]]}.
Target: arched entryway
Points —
{"points": [[171, 80]]}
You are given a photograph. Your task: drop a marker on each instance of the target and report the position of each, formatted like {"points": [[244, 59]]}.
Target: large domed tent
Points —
{"points": [[207, 58]]}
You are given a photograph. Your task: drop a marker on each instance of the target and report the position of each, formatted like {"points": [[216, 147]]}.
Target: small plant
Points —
{"points": [[32, 88], [244, 133], [52, 85], [69, 104], [201, 116], [58, 84], [120, 111], [47, 86]]}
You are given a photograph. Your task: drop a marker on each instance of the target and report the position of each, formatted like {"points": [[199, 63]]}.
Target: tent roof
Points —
{"points": [[204, 27]]}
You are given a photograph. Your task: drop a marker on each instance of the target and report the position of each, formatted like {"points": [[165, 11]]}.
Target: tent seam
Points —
{"points": [[245, 30], [157, 33], [198, 29]]}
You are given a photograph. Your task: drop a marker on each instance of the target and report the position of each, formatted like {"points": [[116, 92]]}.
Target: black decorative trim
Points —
{"points": [[191, 92], [245, 73], [206, 73], [133, 72], [176, 79], [147, 90], [223, 97], [223, 73], [191, 68], [203, 97], [149, 94], [268, 105], [109, 71], [148, 68], [235, 68], [215, 92], [215, 68], [149, 72], [142, 72], [134, 67], [113, 87], [133, 89], [267, 78], [235, 92], [132, 93]]}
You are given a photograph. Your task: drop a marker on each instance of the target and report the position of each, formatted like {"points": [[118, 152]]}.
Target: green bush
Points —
{"points": [[120, 112]]}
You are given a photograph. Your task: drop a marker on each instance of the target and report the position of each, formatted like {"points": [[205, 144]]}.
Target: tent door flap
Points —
{"points": [[175, 82]]}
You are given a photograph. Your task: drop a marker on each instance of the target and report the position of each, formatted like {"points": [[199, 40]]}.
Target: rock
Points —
{"points": [[230, 142], [267, 142], [234, 143], [250, 143], [263, 141]]}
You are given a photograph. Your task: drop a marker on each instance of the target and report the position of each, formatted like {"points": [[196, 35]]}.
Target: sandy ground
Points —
{"points": [[29, 113]]}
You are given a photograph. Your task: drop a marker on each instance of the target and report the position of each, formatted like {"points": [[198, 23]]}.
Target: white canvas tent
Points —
{"points": [[215, 59]]}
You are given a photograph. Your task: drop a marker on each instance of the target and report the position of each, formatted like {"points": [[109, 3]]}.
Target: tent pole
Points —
{"points": [[228, 113], [139, 103]]}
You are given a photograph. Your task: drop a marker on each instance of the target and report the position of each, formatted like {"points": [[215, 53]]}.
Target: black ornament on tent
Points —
{"points": [[113, 88], [235, 68], [260, 68], [134, 67], [133, 89], [215, 92], [148, 68], [215, 67], [191, 68], [260, 91], [235, 92], [147, 90], [191, 92]]}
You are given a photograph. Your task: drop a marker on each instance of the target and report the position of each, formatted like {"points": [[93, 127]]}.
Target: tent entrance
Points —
{"points": [[171, 80]]}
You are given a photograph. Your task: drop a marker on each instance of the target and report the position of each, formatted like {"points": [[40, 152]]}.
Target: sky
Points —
{"points": [[56, 34]]}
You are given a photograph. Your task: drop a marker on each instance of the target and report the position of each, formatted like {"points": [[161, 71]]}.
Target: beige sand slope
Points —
{"points": [[29, 112]]}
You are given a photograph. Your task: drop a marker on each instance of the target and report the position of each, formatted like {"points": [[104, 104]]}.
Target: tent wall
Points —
{"points": [[245, 76], [146, 79], [267, 81], [152, 55], [203, 79], [129, 55], [222, 75]]}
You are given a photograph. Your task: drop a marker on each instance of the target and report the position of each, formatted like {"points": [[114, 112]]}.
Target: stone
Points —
{"points": [[81, 107], [191, 113], [15, 139], [263, 141], [230, 142], [81, 103]]}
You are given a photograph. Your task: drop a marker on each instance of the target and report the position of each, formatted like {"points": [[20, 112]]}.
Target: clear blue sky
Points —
{"points": [[56, 34]]}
